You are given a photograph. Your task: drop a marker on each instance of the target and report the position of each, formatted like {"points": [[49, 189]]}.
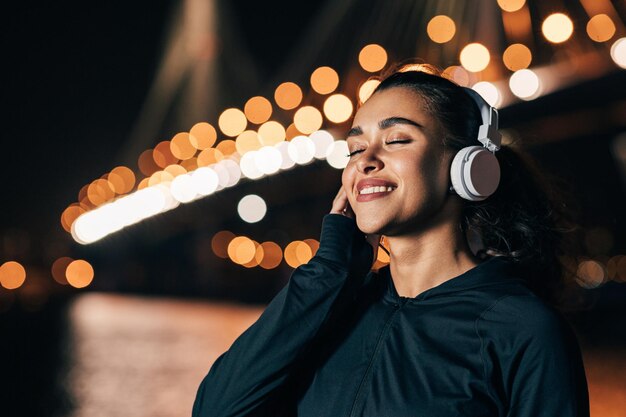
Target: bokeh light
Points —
{"points": [[600, 28], [241, 250], [511, 5], [205, 181], [79, 273], [441, 29], [324, 80], [272, 255], [288, 95], [100, 191], [251, 208], [517, 57], [308, 119], [338, 108], [248, 166], [69, 215], [162, 154], [232, 122], [122, 179], [292, 131], [286, 161], [557, 28], [322, 141], [373, 57], [146, 163], [474, 57], [202, 135], [366, 89], [618, 52], [58, 269], [247, 141], [489, 92], [457, 74], [270, 133], [220, 242], [290, 253], [590, 274], [175, 170], [337, 154], [301, 150], [181, 146], [12, 275], [210, 156], [268, 160], [183, 188], [525, 84], [227, 147], [616, 268], [258, 110]]}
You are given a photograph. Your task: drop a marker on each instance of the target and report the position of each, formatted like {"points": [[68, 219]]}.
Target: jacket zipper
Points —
{"points": [[381, 338]]}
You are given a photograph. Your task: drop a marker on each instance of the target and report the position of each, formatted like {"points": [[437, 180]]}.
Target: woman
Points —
{"points": [[446, 329]]}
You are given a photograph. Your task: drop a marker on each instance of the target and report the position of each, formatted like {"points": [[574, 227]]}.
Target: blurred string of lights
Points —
{"points": [[194, 164]]}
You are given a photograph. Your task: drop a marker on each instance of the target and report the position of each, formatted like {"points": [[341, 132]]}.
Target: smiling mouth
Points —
{"points": [[374, 190], [373, 193]]}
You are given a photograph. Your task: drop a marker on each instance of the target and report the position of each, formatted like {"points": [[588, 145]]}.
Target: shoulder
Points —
{"points": [[524, 320]]}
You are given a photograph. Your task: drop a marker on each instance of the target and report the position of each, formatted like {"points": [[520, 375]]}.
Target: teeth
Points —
{"points": [[372, 190]]}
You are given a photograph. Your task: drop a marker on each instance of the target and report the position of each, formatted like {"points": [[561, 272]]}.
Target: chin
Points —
{"points": [[369, 226]]}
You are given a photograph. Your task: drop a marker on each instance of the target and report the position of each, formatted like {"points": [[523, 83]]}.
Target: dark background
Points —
{"points": [[75, 77]]}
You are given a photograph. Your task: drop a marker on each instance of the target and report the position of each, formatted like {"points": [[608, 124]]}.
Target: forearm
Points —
{"points": [[259, 361]]}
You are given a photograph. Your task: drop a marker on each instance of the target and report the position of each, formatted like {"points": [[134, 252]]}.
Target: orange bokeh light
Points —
{"points": [[247, 141], [232, 122], [122, 179], [100, 191], [227, 147], [324, 80], [373, 57], [12, 275], [600, 28], [59, 268], [146, 163], [202, 135], [258, 110], [271, 133], [441, 29], [367, 89], [79, 273], [517, 57], [338, 108], [162, 155], [181, 146], [272, 255], [69, 215], [220, 242], [209, 156], [288, 95], [308, 119]]}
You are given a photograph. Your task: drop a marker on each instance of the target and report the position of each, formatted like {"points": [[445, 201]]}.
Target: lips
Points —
{"points": [[373, 188]]}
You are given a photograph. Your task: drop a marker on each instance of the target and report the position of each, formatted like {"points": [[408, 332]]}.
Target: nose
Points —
{"points": [[370, 161]]}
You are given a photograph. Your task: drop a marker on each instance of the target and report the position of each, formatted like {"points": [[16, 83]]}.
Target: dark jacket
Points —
{"points": [[339, 341]]}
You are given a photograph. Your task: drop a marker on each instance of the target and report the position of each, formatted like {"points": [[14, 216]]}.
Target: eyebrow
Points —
{"points": [[386, 124]]}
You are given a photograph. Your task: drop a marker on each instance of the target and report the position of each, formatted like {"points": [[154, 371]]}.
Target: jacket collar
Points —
{"points": [[493, 271]]}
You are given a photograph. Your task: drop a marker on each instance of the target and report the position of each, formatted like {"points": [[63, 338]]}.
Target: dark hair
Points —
{"points": [[528, 219]]}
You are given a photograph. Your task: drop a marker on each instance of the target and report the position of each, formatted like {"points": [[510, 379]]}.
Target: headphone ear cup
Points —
{"points": [[475, 173]]}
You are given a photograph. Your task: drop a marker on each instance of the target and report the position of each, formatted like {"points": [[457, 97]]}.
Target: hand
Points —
{"points": [[342, 206]]}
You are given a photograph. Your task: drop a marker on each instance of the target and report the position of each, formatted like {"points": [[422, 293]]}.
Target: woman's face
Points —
{"points": [[398, 174]]}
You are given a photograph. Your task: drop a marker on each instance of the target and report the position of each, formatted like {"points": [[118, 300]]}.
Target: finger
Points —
{"points": [[340, 202]]}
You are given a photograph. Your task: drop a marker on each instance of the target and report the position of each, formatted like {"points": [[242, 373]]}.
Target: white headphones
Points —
{"points": [[475, 171]]}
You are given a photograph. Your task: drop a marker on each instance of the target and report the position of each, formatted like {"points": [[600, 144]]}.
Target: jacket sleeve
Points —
{"points": [[540, 361], [242, 380]]}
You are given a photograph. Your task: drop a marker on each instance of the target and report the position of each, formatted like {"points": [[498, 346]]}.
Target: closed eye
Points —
{"points": [[394, 141], [354, 152]]}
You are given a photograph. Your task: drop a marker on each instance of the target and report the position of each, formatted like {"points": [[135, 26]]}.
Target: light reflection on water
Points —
{"points": [[136, 357], [145, 357]]}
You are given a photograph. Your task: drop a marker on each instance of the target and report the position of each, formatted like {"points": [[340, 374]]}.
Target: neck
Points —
{"points": [[426, 259]]}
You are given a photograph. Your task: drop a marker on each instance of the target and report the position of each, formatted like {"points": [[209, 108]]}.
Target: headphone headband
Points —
{"points": [[488, 133]]}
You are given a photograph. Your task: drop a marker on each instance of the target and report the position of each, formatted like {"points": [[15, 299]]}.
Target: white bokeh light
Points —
{"points": [[301, 150], [286, 161], [248, 166], [234, 171], [204, 180], [337, 154], [618, 52], [525, 84], [268, 160], [489, 92], [183, 189], [322, 139], [251, 208]]}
